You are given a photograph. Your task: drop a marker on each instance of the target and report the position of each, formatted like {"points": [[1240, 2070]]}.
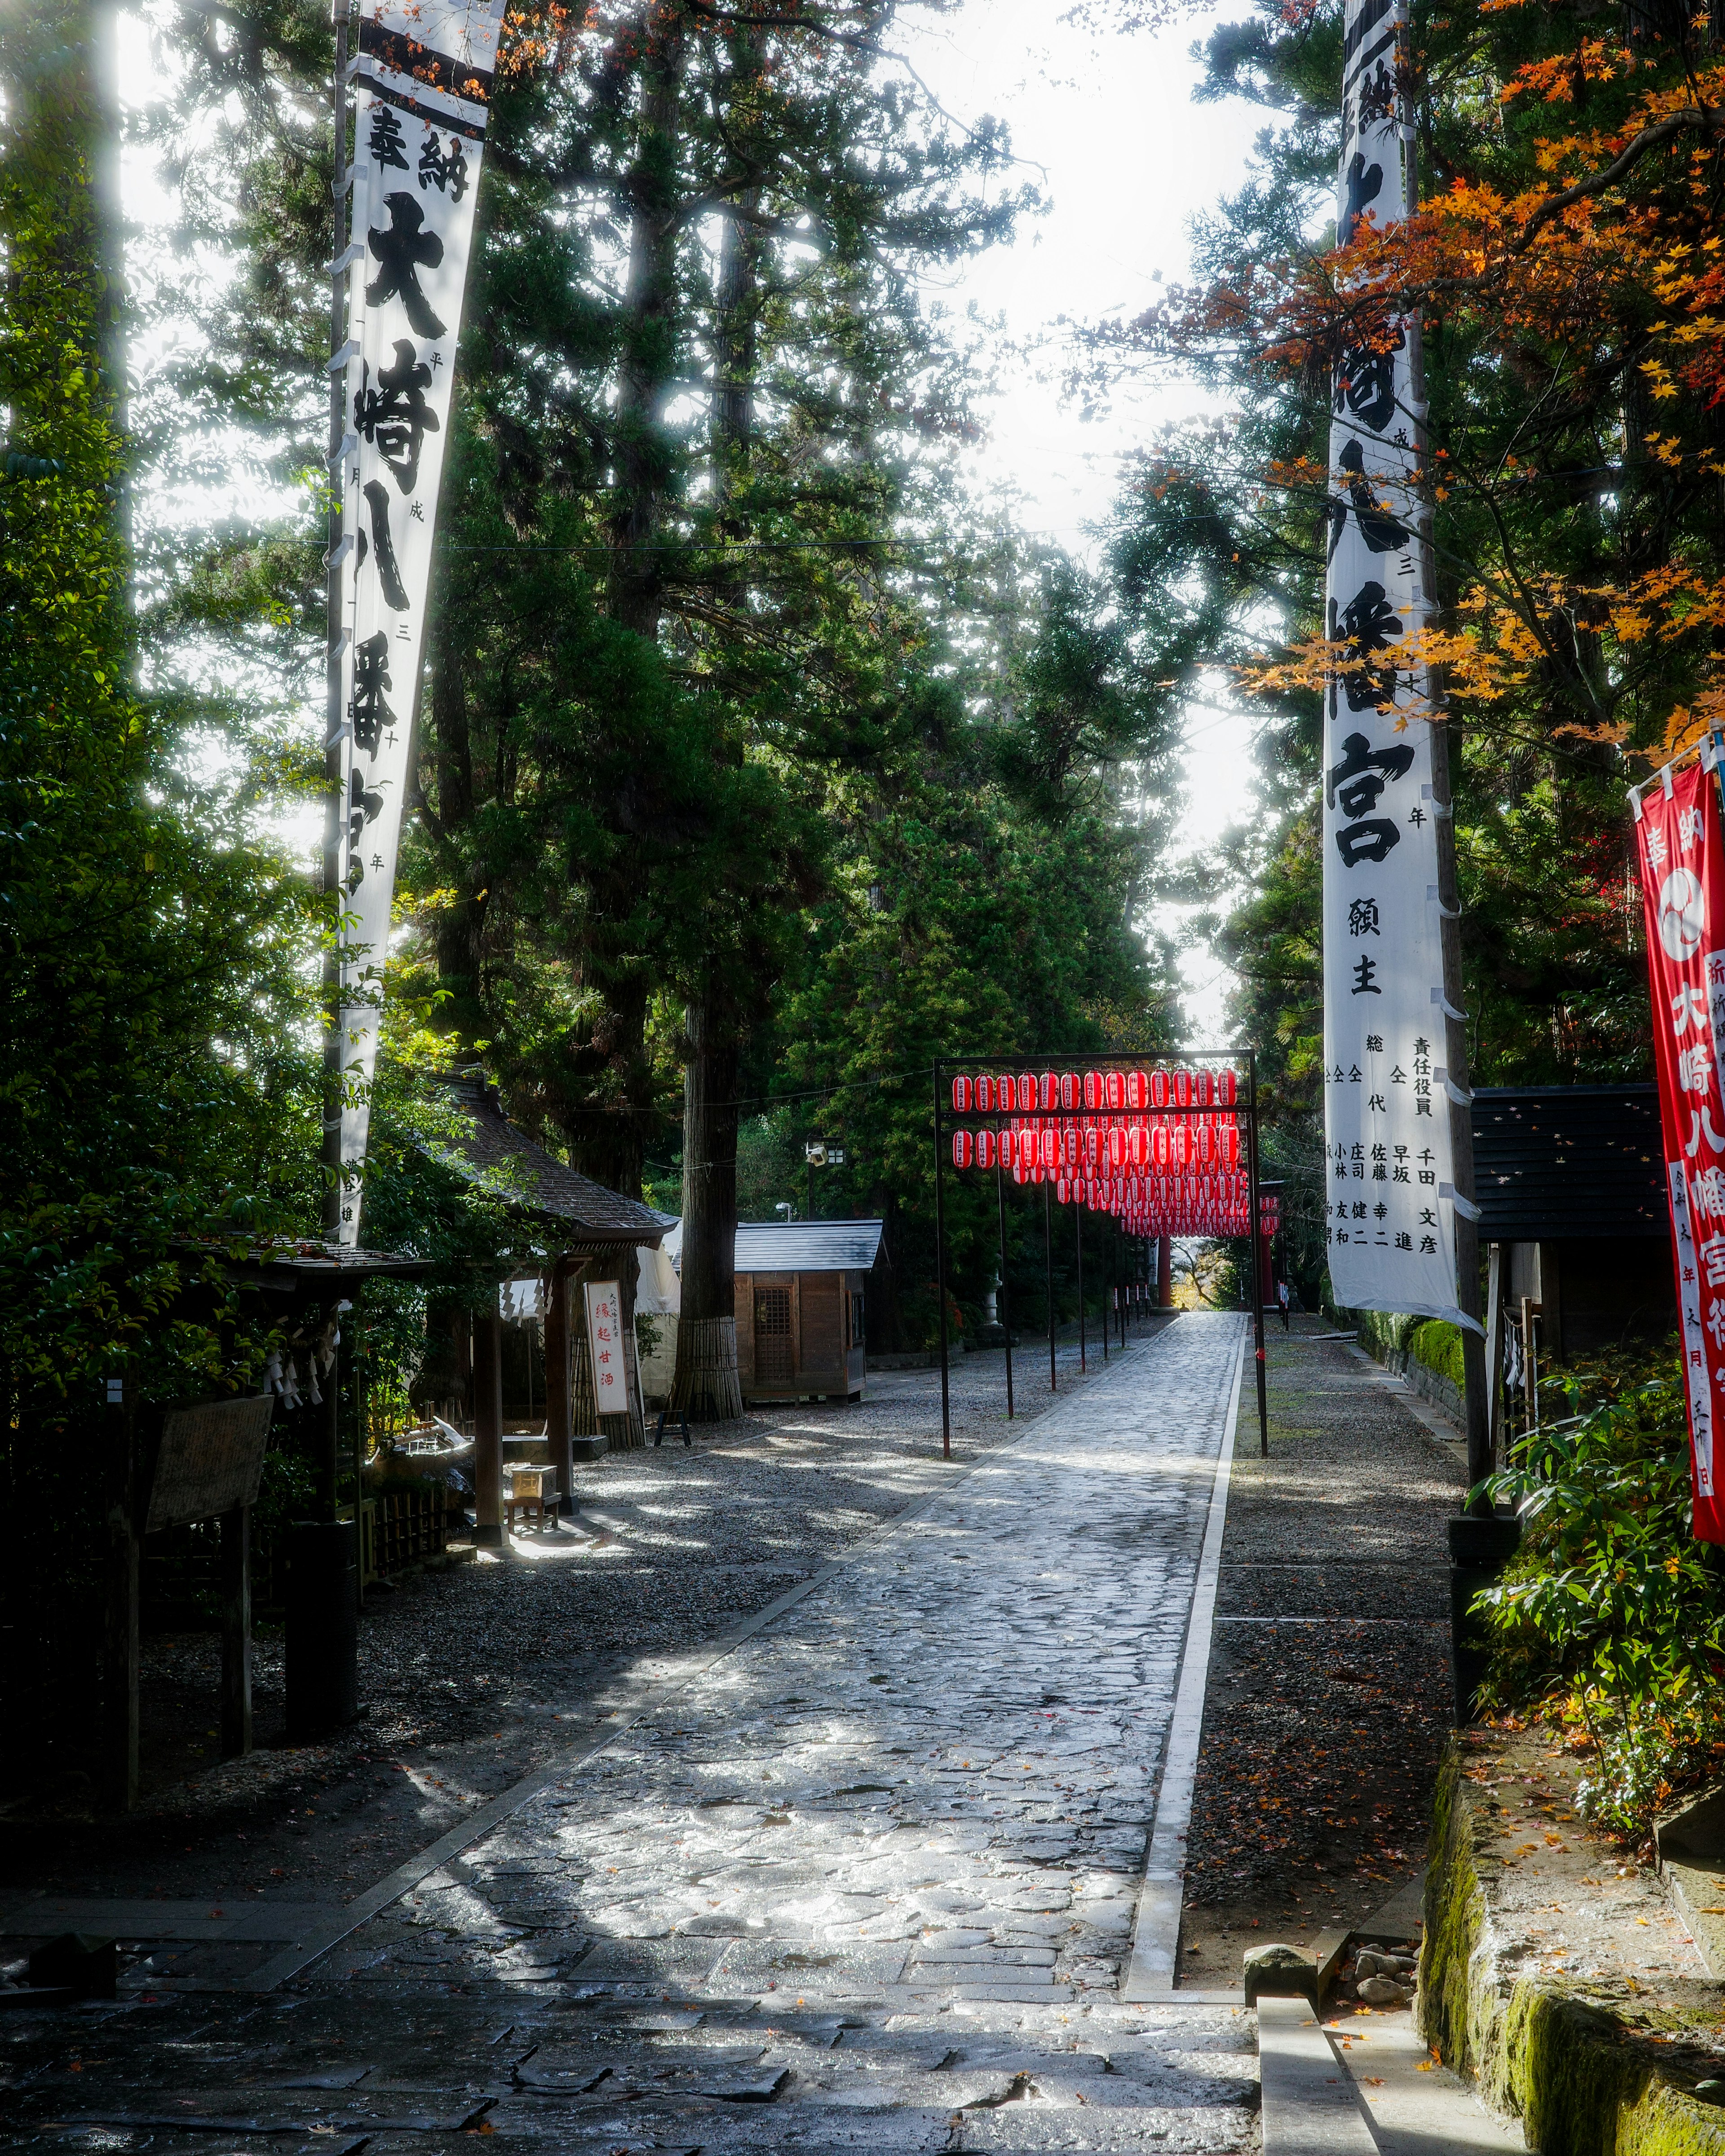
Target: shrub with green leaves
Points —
{"points": [[1612, 1617]]}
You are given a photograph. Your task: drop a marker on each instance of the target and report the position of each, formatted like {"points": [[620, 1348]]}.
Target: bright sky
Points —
{"points": [[1129, 159]]}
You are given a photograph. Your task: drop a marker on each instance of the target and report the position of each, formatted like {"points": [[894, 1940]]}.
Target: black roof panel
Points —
{"points": [[1552, 1161]]}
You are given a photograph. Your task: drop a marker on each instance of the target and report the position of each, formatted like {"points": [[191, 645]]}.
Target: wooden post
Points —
{"points": [[559, 1402], [1494, 1352], [1054, 1385], [1005, 1297], [236, 1716], [120, 1764], [940, 1265], [1078, 1244], [487, 1427]]}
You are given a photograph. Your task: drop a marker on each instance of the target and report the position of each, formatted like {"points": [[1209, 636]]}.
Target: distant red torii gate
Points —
{"points": [[1108, 1111]]}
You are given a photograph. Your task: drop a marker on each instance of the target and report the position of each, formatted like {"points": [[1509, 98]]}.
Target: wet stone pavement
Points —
{"points": [[866, 1881]]}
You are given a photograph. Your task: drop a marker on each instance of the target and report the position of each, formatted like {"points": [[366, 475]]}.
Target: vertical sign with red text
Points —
{"points": [[605, 1343], [1682, 851]]}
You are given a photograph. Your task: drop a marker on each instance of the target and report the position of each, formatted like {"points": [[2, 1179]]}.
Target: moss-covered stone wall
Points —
{"points": [[1580, 2083]]}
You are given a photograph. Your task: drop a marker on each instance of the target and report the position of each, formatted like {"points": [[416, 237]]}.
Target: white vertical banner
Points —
{"points": [[422, 73], [605, 1343], [1390, 1216]]}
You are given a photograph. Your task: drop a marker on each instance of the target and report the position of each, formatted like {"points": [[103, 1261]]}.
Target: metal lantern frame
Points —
{"points": [[1078, 1065]]}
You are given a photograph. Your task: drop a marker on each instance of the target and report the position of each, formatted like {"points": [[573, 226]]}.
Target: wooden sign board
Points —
{"points": [[211, 1458], [605, 1343]]}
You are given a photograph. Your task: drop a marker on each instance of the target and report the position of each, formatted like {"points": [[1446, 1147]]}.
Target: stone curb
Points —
{"points": [[1569, 2070]]}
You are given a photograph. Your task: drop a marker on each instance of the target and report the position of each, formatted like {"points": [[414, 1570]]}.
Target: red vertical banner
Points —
{"points": [[1680, 848]]}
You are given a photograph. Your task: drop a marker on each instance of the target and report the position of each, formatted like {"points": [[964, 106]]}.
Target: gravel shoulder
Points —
{"points": [[1329, 1695], [473, 1677]]}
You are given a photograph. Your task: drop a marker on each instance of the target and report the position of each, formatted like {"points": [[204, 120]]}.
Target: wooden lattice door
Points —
{"points": [[773, 1363]]}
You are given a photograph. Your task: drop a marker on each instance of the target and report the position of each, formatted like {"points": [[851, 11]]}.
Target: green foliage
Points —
{"points": [[1438, 1345], [1612, 1616]]}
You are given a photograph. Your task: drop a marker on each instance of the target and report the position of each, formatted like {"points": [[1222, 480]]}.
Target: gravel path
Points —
{"points": [[1329, 1689], [471, 1678]]}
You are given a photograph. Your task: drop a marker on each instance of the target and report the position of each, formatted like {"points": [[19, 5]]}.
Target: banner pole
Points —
{"points": [[1255, 1248], [1078, 1238], [335, 804], [940, 1265], [1048, 1273], [1005, 1291]]}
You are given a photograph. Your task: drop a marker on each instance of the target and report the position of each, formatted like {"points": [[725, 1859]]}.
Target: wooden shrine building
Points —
{"points": [[574, 1231], [800, 1307]]}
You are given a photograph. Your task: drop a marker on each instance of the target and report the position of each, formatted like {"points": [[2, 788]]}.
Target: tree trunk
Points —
{"points": [[644, 455], [706, 1381]]}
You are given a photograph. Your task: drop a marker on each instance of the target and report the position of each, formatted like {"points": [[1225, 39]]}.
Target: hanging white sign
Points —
{"points": [[1390, 1216], [606, 1344], [422, 73]]}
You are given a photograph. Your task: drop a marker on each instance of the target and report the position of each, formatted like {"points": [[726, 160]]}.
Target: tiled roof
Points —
{"points": [[799, 1246], [1552, 1161], [499, 1155]]}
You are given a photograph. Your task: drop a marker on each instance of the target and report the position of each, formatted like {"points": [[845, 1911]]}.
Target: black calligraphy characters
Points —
{"points": [[1382, 532], [370, 712], [395, 592], [1364, 183], [1354, 785], [385, 143], [364, 806], [441, 172], [1368, 624], [394, 416], [403, 252], [1365, 381]]}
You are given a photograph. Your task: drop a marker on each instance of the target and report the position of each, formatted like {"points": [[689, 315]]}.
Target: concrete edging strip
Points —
{"points": [[1149, 1974], [1311, 2105], [281, 1966]]}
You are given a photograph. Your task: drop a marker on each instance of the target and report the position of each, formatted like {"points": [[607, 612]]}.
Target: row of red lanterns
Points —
{"points": [[1114, 1092], [1117, 1147]]}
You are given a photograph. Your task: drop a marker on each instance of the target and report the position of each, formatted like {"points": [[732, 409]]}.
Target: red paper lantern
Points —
{"points": [[1114, 1091], [1183, 1087], [1048, 1146], [1160, 1090], [1070, 1091], [960, 1097], [1006, 1093], [1048, 1092], [986, 1149], [1227, 1089], [964, 1148], [1118, 1146]]}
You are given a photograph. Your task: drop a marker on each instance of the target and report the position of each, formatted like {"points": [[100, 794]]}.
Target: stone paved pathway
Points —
{"points": [[866, 1883]]}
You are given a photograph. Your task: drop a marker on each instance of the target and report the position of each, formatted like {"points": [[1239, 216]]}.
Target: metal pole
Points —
{"points": [[1108, 1277], [1078, 1233], [1256, 1268], [1005, 1292], [940, 1261], [1047, 1272], [335, 804]]}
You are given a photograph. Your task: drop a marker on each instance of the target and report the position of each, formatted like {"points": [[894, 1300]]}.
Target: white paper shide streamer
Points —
{"points": [[1390, 1217], [423, 74]]}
